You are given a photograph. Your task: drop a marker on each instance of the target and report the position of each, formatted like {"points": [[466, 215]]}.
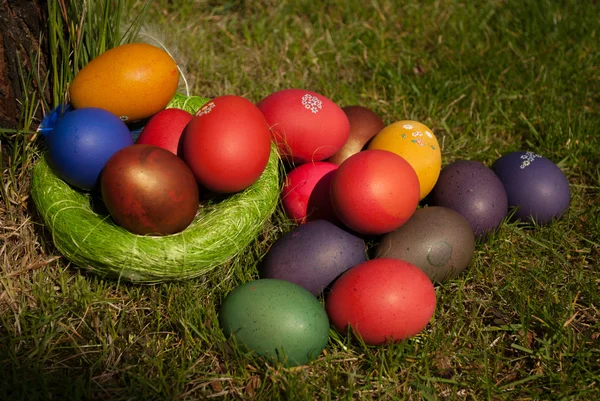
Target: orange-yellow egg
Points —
{"points": [[133, 81], [417, 144]]}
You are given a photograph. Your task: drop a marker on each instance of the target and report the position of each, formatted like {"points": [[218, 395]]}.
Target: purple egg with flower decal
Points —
{"points": [[535, 186]]}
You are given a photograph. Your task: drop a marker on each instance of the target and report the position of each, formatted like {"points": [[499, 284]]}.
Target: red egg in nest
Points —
{"points": [[305, 192], [306, 125], [149, 190], [374, 192], [383, 300], [227, 144], [164, 129]]}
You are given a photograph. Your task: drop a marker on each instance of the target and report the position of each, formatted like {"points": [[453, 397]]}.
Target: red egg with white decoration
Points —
{"points": [[227, 144], [306, 125]]}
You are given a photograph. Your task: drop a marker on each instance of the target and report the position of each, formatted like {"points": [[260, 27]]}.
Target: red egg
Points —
{"points": [[227, 144], [374, 191], [305, 192], [149, 190], [164, 129], [306, 125], [383, 300]]}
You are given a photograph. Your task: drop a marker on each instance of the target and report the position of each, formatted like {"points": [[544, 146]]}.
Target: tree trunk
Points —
{"points": [[22, 25]]}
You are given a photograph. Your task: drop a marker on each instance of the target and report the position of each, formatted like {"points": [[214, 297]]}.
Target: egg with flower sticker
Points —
{"points": [[417, 144]]}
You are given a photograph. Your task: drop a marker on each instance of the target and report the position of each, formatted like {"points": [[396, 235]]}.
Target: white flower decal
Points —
{"points": [[407, 126], [207, 108], [312, 103], [429, 134], [528, 158]]}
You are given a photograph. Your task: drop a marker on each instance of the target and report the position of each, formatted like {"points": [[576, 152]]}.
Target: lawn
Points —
{"points": [[489, 77]]}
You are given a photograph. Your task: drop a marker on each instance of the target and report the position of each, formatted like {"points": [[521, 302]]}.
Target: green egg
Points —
{"points": [[277, 319]]}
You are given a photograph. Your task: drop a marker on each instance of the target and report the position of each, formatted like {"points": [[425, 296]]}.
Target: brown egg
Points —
{"points": [[438, 240], [364, 125], [149, 190]]}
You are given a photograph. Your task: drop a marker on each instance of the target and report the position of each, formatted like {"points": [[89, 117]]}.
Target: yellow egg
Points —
{"points": [[133, 81], [417, 144]]}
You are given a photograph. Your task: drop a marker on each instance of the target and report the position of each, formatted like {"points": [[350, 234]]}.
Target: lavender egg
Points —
{"points": [[474, 191], [535, 186], [313, 255]]}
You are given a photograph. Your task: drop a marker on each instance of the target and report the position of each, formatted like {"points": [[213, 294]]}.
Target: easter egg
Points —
{"points": [[436, 239], [383, 301], [535, 186], [364, 125], [312, 255], [227, 144], [164, 129], [374, 192], [417, 144], [475, 191], [275, 319], [81, 143], [149, 190], [132, 81], [306, 126], [305, 192]]}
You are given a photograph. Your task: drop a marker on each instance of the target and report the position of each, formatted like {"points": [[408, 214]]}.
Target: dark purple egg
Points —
{"points": [[312, 255], [438, 240], [475, 191], [534, 185]]}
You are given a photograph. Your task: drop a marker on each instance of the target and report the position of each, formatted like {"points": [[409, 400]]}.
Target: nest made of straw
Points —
{"points": [[91, 240]]}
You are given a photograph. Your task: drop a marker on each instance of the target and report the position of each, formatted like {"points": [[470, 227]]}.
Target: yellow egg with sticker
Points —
{"points": [[133, 81], [417, 144]]}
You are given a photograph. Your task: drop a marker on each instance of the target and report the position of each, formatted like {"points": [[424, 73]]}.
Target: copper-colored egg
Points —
{"points": [[364, 125], [149, 190]]}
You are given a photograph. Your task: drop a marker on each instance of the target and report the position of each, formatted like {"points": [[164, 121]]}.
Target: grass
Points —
{"points": [[488, 77]]}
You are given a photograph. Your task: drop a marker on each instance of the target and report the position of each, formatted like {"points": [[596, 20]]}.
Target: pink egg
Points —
{"points": [[305, 193], [164, 129], [306, 125]]}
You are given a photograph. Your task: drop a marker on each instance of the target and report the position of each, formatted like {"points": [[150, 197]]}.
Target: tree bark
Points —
{"points": [[22, 27]]}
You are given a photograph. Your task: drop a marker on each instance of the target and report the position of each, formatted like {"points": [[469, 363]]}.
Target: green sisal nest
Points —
{"points": [[220, 231]]}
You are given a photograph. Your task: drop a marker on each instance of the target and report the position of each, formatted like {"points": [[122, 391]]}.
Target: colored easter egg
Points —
{"points": [[374, 192], [364, 125], [81, 143], [438, 240], [312, 255], [416, 143], [306, 125], [305, 192], [276, 319], [132, 81], [475, 191], [535, 186], [227, 144], [383, 300], [164, 129], [149, 190]]}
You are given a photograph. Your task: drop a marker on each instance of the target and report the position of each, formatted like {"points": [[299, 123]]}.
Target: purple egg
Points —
{"points": [[534, 185], [313, 254], [474, 191]]}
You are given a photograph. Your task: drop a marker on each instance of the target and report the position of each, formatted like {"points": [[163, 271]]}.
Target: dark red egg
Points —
{"points": [[149, 190], [306, 125], [374, 192], [364, 125], [227, 144], [383, 300], [164, 129]]}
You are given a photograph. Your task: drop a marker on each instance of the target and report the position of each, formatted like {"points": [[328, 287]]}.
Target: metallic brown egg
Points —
{"points": [[364, 125], [149, 190]]}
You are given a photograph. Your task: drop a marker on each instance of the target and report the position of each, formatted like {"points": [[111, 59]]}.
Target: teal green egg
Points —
{"points": [[276, 319]]}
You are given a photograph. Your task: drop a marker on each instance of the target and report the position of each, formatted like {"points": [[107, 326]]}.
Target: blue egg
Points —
{"points": [[81, 143]]}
